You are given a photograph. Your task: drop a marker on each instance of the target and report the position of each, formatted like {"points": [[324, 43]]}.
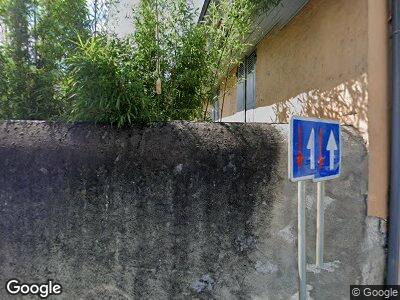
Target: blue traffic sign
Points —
{"points": [[314, 149]]}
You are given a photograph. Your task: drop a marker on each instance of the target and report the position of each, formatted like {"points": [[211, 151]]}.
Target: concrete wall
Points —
{"points": [[175, 211]]}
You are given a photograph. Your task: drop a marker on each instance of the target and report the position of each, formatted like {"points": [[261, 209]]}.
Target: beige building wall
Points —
{"points": [[318, 65], [378, 107], [227, 95]]}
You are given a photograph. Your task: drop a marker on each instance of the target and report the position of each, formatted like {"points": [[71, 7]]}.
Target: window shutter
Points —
{"points": [[251, 81], [215, 111], [251, 62], [240, 89]]}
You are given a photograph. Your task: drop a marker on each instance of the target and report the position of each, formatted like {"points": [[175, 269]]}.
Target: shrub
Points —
{"points": [[103, 83], [114, 80]]}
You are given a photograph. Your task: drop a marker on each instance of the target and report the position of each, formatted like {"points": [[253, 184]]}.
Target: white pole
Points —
{"points": [[301, 244], [319, 251]]}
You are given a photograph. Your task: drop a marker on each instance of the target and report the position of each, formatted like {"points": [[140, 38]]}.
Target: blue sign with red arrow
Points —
{"points": [[314, 149]]}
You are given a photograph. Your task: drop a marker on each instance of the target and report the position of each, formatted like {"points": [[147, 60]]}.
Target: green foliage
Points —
{"points": [[4, 85], [57, 60], [260, 6], [166, 35], [59, 23], [226, 26], [113, 80], [104, 85], [99, 13], [39, 36], [167, 46], [16, 62]]}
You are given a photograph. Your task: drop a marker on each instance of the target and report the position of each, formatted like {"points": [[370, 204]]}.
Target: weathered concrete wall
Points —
{"points": [[175, 211]]}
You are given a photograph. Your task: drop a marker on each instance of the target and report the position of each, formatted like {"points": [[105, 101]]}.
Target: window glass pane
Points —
{"points": [[215, 112], [251, 81], [240, 88], [240, 95], [250, 91], [251, 63]]}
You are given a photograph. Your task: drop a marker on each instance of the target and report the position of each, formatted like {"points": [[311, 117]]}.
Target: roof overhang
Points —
{"points": [[204, 9], [274, 18]]}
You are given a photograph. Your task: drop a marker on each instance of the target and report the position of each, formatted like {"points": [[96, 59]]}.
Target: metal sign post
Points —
{"points": [[319, 251], [301, 238], [314, 153]]}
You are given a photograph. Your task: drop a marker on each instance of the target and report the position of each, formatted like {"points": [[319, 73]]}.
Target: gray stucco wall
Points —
{"points": [[175, 211]]}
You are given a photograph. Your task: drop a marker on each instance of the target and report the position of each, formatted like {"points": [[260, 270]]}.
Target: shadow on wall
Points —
{"points": [[151, 212], [346, 102]]}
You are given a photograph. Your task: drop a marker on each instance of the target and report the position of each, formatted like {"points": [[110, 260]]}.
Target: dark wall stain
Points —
{"points": [[141, 212]]}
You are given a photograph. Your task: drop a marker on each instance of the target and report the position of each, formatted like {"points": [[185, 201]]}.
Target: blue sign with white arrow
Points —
{"points": [[314, 149]]}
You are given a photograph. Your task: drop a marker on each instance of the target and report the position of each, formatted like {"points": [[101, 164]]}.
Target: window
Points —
{"points": [[246, 86], [215, 111], [241, 88]]}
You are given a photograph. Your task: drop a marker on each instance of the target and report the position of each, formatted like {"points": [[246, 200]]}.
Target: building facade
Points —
{"points": [[319, 58]]}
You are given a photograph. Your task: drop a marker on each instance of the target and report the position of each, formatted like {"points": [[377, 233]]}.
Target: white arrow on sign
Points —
{"points": [[331, 147], [311, 146]]}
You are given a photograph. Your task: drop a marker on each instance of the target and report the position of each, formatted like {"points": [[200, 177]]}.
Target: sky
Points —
{"points": [[121, 24], [199, 4]]}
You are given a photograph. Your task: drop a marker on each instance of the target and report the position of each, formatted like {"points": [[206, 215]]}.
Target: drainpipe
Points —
{"points": [[393, 266]]}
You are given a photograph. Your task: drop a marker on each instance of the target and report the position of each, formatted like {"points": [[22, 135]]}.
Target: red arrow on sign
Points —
{"points": [[299, 158], [321, 159]]}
